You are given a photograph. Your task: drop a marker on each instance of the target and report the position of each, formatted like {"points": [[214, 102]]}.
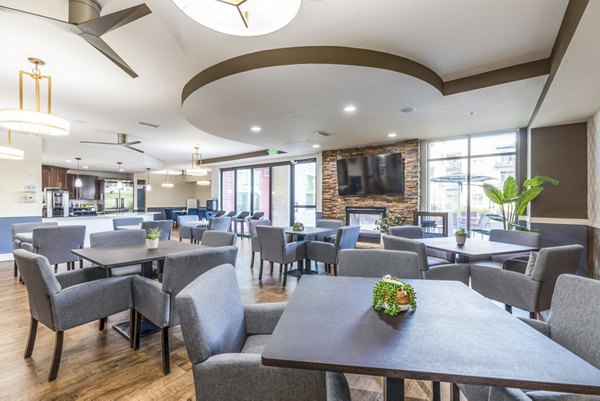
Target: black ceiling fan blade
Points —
{"points": [[105, 49], [131, 143], [106, 23], [100, 143], [132, 148], [62, 24]]}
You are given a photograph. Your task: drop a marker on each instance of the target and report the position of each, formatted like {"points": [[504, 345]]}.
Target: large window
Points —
{"points": [[456, 171]]}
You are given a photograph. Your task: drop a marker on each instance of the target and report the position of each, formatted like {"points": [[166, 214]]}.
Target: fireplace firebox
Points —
{"points": [[365, 217]]}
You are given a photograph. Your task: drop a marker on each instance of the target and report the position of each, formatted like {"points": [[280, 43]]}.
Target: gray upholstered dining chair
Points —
{"points": [[531, 293], [327, 236], [68, 300], [254, 244], [156, 302], [328, 253], [378, 263], [256, 216], [116, 238], [411, 232], [186, 223], [219, 213], [274, 248], [514, 237], [218, 238], [21, 228], [165, 227], [573, 323], [126, 221], [431, 267], [222, 223], [225, 338], [56, 243]]}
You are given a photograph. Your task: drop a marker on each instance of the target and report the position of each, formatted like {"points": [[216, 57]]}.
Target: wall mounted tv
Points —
{"points": [[371, 175]]}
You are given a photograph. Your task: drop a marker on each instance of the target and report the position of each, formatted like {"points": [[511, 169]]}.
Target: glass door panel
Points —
{"points": [[448, 191], [304, 204], [243, 190], [262, 191], [280, 196], [228, 191]]}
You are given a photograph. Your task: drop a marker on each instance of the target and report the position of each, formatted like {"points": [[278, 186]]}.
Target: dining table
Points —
{"points": [[473, 247], [301, 235], [455, 335]]}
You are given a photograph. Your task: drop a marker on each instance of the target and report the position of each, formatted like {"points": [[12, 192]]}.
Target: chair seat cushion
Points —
{"points": [[488, 263], [433, 261], [255, 344]]}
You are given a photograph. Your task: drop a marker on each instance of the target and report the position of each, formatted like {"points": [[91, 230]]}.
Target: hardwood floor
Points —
{"points": [[101, 366]]}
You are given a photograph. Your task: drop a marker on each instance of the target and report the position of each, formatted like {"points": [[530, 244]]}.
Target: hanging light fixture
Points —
{"points": [[78, 182], [10, 153], [120, 167], [196, 169], [34, 122], [203, 181], [148, 186], [167, 183], [241, 17]]}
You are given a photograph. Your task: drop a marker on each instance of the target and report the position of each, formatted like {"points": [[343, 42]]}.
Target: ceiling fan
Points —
{"points": [[121, 141], [86, 22]]}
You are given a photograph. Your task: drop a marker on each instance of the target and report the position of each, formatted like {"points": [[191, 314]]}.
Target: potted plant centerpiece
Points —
{"points": [[152, 236], [461, 236], [389, 220], [298, 226], [393, 296]]}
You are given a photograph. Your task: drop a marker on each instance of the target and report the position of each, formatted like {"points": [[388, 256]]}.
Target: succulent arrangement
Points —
{"points": [[153, 233], [393, 296]]}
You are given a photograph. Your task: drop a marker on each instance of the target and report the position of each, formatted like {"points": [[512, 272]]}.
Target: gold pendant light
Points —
{"points": [[34, 122], [196, 169], [78, 183], [167, 183], [10, 153], [148, 186]]}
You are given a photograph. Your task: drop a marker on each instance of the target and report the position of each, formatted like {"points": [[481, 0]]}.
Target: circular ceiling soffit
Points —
{"points": [[334, 55]]}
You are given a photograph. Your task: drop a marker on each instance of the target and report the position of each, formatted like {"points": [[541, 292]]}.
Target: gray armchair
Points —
{"points": [[525, 238], [255, 245], [68, 300], [56, 243], [186, 223], [327, 236], [530, 293], [225, 339], [165, 227], [410, 232], [328, 253], [378, 263], [156, 301], [275, 249], [21, 228], [218, 238], [119, 237], [431, 267], [222, 223], [126, 221], [573, 323]]}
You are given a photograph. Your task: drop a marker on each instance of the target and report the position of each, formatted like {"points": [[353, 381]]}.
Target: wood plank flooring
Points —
{"points": [[101, 366]]}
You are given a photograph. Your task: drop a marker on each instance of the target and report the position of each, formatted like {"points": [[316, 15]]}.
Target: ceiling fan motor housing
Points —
{"points": [[83, 10]]}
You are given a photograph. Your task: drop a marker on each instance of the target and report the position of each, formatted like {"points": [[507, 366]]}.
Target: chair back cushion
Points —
{"points": [[408, 245], [257, 215], [232, 214], [378, 263], [41, 284], [551, 263], [165, 227], [212, 314], [514, 237], [272, 243], [219, 213], [119, 237], [253, 223], [126, 221], [182, 268], [56, 243], [346, 237], [218, 238], [329, 223], [222, 223], [182, 219], [411, 232], [242, 215], [574, 319], [19, 228]]}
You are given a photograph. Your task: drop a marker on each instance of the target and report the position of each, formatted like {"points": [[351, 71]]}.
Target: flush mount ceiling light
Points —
{"points": [[255, 128], [241, 17], [350, 108], [10, 153], [196, 169], [78, 182], [34, 122], [392, 135], [204, 181], [167, 183], [148, 186]]}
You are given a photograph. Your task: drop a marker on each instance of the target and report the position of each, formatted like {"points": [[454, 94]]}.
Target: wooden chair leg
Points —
{"points": [[55, 268], [31, 339], [166, 360], [271, 264], [454, 393], [132, 322], [260, 269], [15, 272], [508, 308], [102, 323], [58, 344], [252, 260], [335, 272], [533, 315], [436, 391], [285, 274], [138, 331], [81, 263]]}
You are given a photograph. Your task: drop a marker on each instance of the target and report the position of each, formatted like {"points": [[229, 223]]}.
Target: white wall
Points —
{"points": [[593, 170], [16, 174], [175, 196]]}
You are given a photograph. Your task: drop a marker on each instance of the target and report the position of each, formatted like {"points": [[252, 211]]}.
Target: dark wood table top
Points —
{"points": [[126, 255], [307, 230], [473, 246], [455, 336]]}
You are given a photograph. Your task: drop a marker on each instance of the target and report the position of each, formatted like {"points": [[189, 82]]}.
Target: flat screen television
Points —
{"points": [[371, 175]]}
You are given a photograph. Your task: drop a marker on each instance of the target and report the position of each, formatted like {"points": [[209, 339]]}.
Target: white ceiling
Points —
{"points": [[454, 38]]}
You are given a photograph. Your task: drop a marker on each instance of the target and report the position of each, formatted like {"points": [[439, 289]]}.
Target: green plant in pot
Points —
{"points": [[393, 296], [389, 220], [461, 236], [152, 237], [298, 226], [512, 203]]}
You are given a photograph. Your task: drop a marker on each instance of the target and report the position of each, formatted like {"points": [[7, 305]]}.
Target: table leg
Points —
{"points": [[393, 389], [147, 269], [454, 392]]}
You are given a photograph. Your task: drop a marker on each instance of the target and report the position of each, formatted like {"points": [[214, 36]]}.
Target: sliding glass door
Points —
{"points": [[304, 189]]}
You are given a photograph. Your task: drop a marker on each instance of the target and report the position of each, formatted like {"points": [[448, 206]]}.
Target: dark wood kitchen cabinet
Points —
{"points": [[54, 177]]}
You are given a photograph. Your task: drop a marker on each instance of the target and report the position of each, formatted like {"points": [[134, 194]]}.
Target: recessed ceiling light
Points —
{"points": [[255, 128], [408, 109], [350, 108], [316, 146], [68, 161], [392, 135], [84, 167], [472, 113]]}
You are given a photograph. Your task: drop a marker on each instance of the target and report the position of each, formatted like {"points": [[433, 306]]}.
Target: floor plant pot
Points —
{"points": [[152, 243]]}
